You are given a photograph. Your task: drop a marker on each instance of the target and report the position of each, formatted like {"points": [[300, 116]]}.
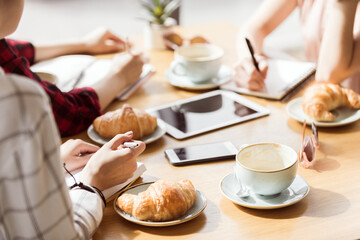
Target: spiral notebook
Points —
{"points": [[283, 77]]}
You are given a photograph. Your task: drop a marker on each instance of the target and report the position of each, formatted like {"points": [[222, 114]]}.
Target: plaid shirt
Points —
{"points": [[34, 199], [74, 111]]}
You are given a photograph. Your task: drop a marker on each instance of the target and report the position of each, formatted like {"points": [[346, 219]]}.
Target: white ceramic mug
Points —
{"points": [[198, 62], [266, 168]]}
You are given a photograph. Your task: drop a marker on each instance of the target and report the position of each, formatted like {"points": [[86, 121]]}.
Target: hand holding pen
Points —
{"points": [[250, 72], [117, 43], [113, 163]]}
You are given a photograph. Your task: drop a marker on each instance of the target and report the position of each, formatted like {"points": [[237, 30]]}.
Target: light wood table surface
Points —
{"points": [[331, 210]]}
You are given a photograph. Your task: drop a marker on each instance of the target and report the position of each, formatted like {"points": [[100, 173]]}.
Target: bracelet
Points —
{"points": [[90, 189], [101, 194]]}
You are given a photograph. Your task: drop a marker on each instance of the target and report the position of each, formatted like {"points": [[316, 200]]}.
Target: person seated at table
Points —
{"points": [[74, 110], [331, 31], [35, 201]]}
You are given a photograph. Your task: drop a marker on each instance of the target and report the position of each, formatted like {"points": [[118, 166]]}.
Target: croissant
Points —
{"points": [[320, 98], [162, 201], [124, 120]]}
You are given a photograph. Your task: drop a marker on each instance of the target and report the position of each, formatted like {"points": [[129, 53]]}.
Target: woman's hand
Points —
{"points": [[103, 41], [247, 76], [100, 41], [76, 153], [126, 69], [113, 163]]}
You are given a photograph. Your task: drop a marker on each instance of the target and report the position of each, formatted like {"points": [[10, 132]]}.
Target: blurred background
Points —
{"points": [[46, 21]]}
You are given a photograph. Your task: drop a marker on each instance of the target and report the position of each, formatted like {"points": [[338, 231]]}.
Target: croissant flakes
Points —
{"points": [[124, 120], [320, 98], [162, 201]]}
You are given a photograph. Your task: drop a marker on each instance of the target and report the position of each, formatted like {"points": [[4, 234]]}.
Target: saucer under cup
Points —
{"points": [[198, 62], [296, 192]]}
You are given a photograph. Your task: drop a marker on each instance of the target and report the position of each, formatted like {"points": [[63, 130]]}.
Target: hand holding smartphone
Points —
{"points": [[201, 153]]}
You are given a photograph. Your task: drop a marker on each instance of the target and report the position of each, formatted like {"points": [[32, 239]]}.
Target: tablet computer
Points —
{"points": [[206, 112]]}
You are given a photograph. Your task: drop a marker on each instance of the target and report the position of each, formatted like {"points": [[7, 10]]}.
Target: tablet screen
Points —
{"points": [[207, 112]]}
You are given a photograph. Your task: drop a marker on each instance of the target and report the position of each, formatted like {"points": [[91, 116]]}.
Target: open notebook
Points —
{"points": [[282, 78], [84, 70], [110, 192]]}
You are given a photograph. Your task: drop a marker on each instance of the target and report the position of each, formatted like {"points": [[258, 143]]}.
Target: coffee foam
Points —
{"points": [[267, 157]]}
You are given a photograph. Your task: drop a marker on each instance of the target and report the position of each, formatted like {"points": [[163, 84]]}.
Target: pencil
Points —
{"points": [[248, 43]]}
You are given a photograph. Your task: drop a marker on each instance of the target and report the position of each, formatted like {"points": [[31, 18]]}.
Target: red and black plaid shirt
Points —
{"points": [[74, 111]]}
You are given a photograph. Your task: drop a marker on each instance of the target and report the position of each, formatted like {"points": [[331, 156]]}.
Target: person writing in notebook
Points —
{"points": [[331, 31], [75, 110]]}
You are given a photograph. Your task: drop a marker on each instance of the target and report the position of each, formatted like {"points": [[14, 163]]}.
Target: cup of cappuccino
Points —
{"points": [[198, 62], [266, 168]]}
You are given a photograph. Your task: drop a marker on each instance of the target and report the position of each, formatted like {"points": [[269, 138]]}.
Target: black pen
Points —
{"points": [[248, 43]]}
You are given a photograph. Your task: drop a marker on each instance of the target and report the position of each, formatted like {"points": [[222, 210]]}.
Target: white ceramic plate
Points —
{"points": [[224, 75], [192, 213], [160, 131], [293, 194], [343, 115]]}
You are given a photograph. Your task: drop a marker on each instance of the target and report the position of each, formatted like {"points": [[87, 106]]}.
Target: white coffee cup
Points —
{"points": [[198, 62], [266, 168]]}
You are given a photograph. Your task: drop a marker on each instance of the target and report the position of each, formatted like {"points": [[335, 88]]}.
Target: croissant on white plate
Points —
{"points": [[162, 201], [320, 98], [123, 120]]}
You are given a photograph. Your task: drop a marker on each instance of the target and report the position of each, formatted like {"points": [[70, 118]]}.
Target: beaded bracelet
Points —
{"points": [[86, 187]]}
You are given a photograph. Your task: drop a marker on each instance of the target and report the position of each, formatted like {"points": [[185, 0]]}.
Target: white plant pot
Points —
{"points": [[153, 35]]}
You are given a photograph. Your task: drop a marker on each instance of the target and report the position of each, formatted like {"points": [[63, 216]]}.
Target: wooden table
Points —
{"points": [[329, 211]]}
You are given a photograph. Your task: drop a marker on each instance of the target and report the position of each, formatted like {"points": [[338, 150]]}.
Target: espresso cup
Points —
{"points": [[266, 168], [198, 62]]}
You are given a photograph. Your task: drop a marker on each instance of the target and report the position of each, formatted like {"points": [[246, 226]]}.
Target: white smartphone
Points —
{"points": [[201, 153]]}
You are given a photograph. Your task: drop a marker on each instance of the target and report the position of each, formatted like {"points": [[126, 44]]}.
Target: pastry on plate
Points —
{"points": [[162, 201], [320, 98], [123, 120]]}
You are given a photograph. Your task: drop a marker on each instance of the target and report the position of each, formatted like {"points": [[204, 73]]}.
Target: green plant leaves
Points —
{"points": [[159, 10]]}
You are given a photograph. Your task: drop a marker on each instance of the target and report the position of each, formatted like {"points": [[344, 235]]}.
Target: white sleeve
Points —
{"points": [[34, 199], [87, 211]]}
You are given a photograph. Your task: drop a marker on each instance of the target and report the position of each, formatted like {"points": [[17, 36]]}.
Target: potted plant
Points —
{"points": [[158, 19]]}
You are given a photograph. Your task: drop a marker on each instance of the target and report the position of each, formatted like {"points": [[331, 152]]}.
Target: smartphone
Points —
{"points": [[201, 153]]}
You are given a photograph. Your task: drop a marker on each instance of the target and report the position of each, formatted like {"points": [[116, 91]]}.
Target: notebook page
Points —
{"points": [[282, 77], [65, 68], [68, 68]]}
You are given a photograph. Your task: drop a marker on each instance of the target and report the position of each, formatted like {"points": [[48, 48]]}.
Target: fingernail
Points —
{"points": [[129, 133]]}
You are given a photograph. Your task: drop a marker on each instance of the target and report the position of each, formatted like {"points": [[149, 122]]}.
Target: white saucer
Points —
{"points": [[192, 213], [344, 115], [224, 75], [293, 194], [160, 131]]}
